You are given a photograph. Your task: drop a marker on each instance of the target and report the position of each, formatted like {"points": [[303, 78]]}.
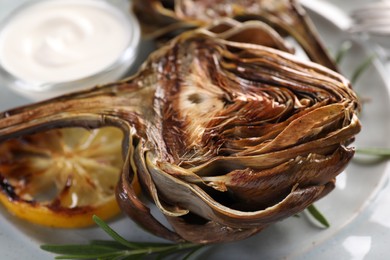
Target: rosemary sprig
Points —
{"points": [[119, 248]]}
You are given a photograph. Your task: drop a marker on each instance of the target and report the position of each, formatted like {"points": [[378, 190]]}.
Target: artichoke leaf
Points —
{"points": [[172, 211], [130, 201], [305, 128], [143, 168], [257, 33], [259, 189], [263, 161], [216, 232]]}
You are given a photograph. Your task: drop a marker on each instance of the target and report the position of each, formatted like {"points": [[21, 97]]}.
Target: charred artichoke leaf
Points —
{"points": [[168, 18], [224, 137], [254, 33]]}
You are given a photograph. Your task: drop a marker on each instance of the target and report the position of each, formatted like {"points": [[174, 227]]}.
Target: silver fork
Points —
{"points": [[374, 20]]}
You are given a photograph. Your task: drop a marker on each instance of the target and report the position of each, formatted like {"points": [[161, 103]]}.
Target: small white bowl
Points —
{"points": [[52, 47]]}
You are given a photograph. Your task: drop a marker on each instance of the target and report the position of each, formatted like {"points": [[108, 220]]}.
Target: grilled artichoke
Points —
{"points": [[167, 18], [225, 137]]}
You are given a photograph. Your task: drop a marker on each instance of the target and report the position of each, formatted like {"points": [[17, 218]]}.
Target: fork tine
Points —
{"points": [[372, 9], [372, 13], [378, 20], [374, 29], [375, 5], [372, 18], [374, 26]]}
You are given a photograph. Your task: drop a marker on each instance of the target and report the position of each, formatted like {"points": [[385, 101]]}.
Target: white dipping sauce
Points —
{"points": [[63, 40]]}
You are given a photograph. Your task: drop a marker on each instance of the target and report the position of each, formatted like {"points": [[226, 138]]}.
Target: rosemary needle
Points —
{"points": [[317, 215], [376, 151]]}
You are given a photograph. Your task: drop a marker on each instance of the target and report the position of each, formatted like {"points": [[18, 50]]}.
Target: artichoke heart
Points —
{"points": [[225, 137]]}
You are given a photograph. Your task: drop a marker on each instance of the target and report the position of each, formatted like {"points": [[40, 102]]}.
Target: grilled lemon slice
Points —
{"points": [[62, 177]]}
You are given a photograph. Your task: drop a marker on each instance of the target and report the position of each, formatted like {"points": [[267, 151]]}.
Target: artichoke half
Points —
{"points": [[162, 19], [225, 137]]}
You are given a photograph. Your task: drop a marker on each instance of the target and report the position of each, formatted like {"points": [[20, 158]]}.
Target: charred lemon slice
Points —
{"points": [[62, 177]]}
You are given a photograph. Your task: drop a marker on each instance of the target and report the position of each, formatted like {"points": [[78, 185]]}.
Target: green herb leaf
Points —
{"points": [[375, 151], [108, 243], [113, 234], [317, 215]]}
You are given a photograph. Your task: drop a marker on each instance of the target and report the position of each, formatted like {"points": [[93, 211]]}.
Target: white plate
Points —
{"points": [[353, 202]]}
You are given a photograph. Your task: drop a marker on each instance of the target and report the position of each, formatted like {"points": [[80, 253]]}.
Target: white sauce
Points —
{"points": [[63, 40]]}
